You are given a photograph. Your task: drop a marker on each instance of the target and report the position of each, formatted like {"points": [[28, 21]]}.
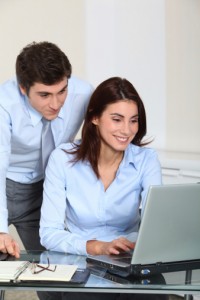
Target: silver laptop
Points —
{"points": [[169, 234]]}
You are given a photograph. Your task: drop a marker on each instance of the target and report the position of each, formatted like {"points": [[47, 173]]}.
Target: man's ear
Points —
{"points": [[22, 90], [95, 121]]}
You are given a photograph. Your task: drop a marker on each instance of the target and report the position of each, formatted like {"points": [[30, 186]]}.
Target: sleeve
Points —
{"points": [[151, 175], [53, 232], [5, 150]]}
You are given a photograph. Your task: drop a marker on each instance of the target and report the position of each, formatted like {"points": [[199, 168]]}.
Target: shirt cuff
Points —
{"points": [[3, 225], [80, 247]]}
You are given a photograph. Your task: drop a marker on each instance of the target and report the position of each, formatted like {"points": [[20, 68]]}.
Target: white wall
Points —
{"points": [[127, 38], [153, 43], [24, 21], [183, 75]]}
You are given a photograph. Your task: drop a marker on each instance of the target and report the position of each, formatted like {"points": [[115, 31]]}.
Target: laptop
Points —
{"points": [[169, 234]]}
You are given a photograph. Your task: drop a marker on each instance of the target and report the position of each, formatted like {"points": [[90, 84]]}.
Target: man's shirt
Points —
{"points": [[20, 133], [76, 208]]}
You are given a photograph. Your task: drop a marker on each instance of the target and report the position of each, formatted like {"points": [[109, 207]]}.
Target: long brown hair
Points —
{"points": [[108, 92]]}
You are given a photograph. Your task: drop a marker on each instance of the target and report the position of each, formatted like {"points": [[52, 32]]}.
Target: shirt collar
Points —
{"points": [[130, 156], [35, 115]]}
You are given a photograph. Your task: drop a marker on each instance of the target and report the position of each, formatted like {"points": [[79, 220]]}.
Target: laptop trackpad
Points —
{"points": [[122, 259]]}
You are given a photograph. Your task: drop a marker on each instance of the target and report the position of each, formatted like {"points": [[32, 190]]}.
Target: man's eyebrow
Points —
{"points": [[43, 92], [64, 88], [48, 93]]}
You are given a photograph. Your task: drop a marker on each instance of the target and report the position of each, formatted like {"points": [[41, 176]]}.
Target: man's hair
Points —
{"points": [[110, 91], [43, 63]]}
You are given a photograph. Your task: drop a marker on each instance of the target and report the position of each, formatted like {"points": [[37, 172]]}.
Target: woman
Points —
{"points": [[94, 188]]}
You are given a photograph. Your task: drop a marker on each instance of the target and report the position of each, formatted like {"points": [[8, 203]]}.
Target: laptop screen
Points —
{"points": [[170, 227]]}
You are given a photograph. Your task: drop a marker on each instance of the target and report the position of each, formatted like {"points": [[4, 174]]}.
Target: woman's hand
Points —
{"points": [[9, 245], [114, 247]]}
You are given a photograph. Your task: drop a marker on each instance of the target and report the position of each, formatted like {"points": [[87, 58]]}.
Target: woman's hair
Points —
{"points": [[43, 63], [110, 91]]}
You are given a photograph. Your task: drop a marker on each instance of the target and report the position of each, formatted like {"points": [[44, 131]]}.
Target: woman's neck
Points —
{"points": [[110, 159], [108, 165]]}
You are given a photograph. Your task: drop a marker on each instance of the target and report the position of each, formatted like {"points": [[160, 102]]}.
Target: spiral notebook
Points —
{"points": [[17, 271]]}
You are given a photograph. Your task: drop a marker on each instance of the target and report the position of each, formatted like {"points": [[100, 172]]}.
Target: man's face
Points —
{"points": [[47, 99]]}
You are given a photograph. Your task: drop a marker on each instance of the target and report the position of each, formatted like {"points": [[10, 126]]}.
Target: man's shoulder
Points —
{"points": [[77, 85], [9, 85], [9, 92]]}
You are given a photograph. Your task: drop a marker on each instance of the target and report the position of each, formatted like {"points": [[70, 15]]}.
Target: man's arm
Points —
{"points": [[7, 243]]}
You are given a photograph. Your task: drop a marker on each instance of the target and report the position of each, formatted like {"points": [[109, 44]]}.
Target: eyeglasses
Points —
{"points": [[42, 268]]}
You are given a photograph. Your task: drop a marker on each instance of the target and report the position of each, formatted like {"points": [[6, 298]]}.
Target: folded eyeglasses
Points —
{"points": [[37, 268]]}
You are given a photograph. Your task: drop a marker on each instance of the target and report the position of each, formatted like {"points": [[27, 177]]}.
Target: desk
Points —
{"points": [[184, 282]]}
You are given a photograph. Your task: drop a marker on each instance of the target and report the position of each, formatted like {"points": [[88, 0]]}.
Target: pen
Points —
{"points": [[21, 270]]}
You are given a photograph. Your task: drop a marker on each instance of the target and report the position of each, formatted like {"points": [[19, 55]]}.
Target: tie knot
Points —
{"points": [[45, 121]]}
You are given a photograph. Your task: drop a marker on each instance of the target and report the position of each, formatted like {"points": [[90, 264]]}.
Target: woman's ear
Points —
{"points": [[95, 121]]}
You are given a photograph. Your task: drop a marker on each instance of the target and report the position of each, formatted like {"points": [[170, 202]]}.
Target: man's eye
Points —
{"points": [[62, 92], [44, 95]]}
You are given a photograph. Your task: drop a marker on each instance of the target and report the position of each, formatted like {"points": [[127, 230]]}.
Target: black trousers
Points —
{"points": [[24, 204]]}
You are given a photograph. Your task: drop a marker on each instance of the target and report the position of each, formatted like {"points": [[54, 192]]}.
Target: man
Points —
{"points": [[43, 90]]}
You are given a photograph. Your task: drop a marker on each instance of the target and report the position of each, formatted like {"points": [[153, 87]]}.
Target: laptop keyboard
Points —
{"points": [[123, 257]]}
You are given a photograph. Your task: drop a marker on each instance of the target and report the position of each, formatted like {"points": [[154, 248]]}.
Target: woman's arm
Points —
{"points": [[53, 232]]}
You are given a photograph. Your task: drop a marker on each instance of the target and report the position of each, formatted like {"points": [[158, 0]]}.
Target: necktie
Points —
{"points": [[47, 142]]}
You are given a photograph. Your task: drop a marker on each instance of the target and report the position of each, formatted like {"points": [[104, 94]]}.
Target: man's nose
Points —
{"points": [[54, 103]]}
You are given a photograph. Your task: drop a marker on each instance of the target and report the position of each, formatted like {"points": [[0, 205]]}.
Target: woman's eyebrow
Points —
{"points": [[119, 115]]}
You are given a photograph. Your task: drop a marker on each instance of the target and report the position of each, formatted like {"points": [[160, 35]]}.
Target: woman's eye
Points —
{"points": [[134, 121], [116, 120]]}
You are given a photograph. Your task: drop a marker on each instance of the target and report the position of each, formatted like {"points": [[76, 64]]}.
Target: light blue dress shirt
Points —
{"points": [[20, 133], [76, 208]]}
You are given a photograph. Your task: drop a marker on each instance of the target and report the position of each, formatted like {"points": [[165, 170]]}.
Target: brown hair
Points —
{"points": [[109, 91], [41, 62]]}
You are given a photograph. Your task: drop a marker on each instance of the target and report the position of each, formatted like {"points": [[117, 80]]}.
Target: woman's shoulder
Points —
{"points": [[139, 154], [64, 150], [141, 150], [67, 146]]}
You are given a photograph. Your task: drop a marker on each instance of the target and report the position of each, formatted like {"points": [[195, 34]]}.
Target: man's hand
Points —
{"points": [[9, 245], [114, 247]]}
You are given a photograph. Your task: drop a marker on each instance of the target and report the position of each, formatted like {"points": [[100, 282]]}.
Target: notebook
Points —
{"points": [[169, 234], [17, 271]]}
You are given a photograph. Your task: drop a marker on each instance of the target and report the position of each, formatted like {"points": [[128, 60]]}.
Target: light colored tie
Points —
{"points": [[48, 144]]}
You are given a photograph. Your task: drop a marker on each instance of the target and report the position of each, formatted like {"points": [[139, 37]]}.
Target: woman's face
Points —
{"points": [[118, 125]]}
